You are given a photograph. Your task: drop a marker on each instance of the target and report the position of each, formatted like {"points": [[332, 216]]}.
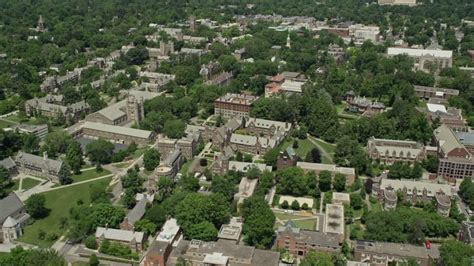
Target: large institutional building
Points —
{"points": [[425, 60], [390, 151], [398, 2], [39, 166], [233, 105]]}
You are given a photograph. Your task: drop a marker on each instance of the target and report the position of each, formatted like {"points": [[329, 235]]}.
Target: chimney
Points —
{"points": [[45, 156]]}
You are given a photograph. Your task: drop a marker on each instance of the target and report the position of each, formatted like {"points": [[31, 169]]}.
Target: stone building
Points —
{"points": [[287, 158], [13, 218], [38, 130], [383, 253], [451, 117], [51, 107], [39, 166], [348, 172], [390, 151], [233, 105], [170, 166], [467, 233], [134, 215], [188, 145], [455, 160], [425, 60], [426, 93], [362, 105], [270, 128], [10, 165], [397, 2], [131, 239]]}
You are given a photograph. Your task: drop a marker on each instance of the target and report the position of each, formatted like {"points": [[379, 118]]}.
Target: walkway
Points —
{"points": [[323, 151]]}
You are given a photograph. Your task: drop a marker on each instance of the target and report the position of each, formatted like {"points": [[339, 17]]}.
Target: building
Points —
{"points": [[341, 198], [265, 127], [348, 172], [287, 158], [382, 253], [426, 93], [222, 252], [455, 160], [389, 151], [363, 105], [170, 166], [115, 134], [188, 145], [10, 165], [413, 192], [286, 83], [334, 222], [253, 144], [39, 166], [129, 110], [451, 117], [231, 231], [360, 33], [466, 139], [397, 2], [134, 215], [244, 166], [425, 60], [467, 233], [299, 242], [246, 188], [131, 239], [163, 244], [155, 81], [233, 105], [13, 217], [38, 130], [48, 106]]}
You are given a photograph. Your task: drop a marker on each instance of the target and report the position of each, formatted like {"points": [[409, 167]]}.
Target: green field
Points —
{"points": [[329, 148], [185, 168], [309, 224], [89, 174], [59, 202], [123, 165], [376, 207], [4, 124], [287, 216], [29, 183]]}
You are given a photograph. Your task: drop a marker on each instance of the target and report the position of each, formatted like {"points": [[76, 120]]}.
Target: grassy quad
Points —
{"points": [[308, 224], [29, 183], [89, 174], [59, 202]]}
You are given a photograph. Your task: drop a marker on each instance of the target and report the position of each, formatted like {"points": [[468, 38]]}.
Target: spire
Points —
{"points": [[288, 40]]}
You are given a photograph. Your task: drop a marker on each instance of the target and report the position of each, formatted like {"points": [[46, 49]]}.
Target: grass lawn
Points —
{"points": [[329, 148], [29, 183], [309, 224], [89, 174], [358, 213], [14, 186], [304, 146], [123, 165], [376, 207], [4, 124], [139, 152], [185, 168], [59, 202], [287, 216]]}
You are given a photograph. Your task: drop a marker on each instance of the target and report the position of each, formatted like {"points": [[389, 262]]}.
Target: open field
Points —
{"points": [[59, 202], [29, 183], [308, 224]]}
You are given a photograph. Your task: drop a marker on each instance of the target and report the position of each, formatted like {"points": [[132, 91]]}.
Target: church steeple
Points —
{"points": [[288, 40], [41, 27]]}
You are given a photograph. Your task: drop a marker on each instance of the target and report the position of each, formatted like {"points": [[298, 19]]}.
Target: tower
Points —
{"points": [[41, 27], [135, 110], [192, 23], [288, 41]]}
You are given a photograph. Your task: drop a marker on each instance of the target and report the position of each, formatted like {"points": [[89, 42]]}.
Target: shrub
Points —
{"points": [[284, 205], [203, 162], [295, 205], [305, 206], [90, 242]]}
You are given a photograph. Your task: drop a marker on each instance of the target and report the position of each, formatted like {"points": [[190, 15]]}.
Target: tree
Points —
{"points": [[137, 55], [30, 143], [100, 151], [253, 172], [203, 162], [339, 182], [91, 242], [105, 214], [20, 256], [93, 260], [145, 226], [314, 258], [284, 205], [74, 156], [271, 156], [454, 252], [5, 181], [64, 174], [259, 221], [295, 144], [36, 206], [174, 128], [313, 156], [224, 186], [368, 185], [356, 201], [431, 163], [204, 231], [151, 159], [56, 142], [295, 205], [305, 206], [292, 182], [325, 180]]}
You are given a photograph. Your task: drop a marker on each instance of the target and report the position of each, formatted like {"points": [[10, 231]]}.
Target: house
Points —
{"points": [[13, 218], [233, 105], [383, 253], [348, 172], [300, 242], [131, 239], [455, 160], [134, 215], [425, 60], [389, 151], [39, 166]]}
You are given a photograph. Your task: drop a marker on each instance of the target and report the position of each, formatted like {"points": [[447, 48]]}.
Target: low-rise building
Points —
{"points": [[134, 215], [455, 160], [233, 105], [46, 107], [348, 172], [170, 166], [131, 239], [38, 130], [425, 60], [10, 165], [163, 244], [300, 242], [397, 2], [39, 166], [334, 222], [389, 151], [426, 93], [13, 218], [341, 198], [382, 253], [231, 231], [287, 158], [287, 83], [188, 145], [246, 188], [451, 117], [115, 134], [363, 105]]}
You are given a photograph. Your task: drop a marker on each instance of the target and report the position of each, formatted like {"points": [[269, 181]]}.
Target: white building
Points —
{"points": [[425, 60]]}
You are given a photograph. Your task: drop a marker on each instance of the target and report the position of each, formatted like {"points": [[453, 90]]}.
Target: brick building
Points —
{"points": [[233, 105], [389, 151]]}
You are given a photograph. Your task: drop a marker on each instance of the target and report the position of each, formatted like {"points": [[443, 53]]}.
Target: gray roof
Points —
{"points": [[133, 132], [8, 163], [394, 249], [137, 212], [466, 138], [447, 139], [310, 237], [9, 205], [119, 235], [39, 161], [172, 157]]}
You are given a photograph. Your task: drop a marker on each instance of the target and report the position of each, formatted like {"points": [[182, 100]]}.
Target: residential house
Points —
{"points": [[131, 239]]}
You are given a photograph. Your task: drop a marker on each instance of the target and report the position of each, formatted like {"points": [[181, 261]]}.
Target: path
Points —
{"points": [[323, 151], [321, 202]]}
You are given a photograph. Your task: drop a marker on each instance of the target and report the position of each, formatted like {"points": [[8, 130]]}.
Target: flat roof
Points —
{"points": [[139, 133], [169, 230], [334, 219], [420, 52]]}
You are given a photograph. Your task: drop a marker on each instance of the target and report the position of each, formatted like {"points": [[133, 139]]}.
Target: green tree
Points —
{"points": [[146, 226], [314, 258], [253, 172], [295, 205], [30, 143], [5, 181], [56, 142], [325, 179], [204, 231], [339, 182], [453, 252], [91, 242], [74, 156], [284, 205], [100, 151], [64, 174], [137, 55], [174, 128], [151, 159], [259, 221], [356, 201], [93, 260], [36, 206]]}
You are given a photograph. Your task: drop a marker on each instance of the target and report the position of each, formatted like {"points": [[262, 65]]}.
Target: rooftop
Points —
{"points": [[169, 230], [119, 235], [38, 161], [243, 166], [9, 205], [402, 250], [420, 52], [133, 132], [432, 188], [237, 99], [326, 167], [334, 219]]}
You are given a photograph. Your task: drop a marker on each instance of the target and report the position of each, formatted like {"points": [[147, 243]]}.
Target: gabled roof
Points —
{"points": [[9, 205], [8, 163], [119, 235], [38, 161]]}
